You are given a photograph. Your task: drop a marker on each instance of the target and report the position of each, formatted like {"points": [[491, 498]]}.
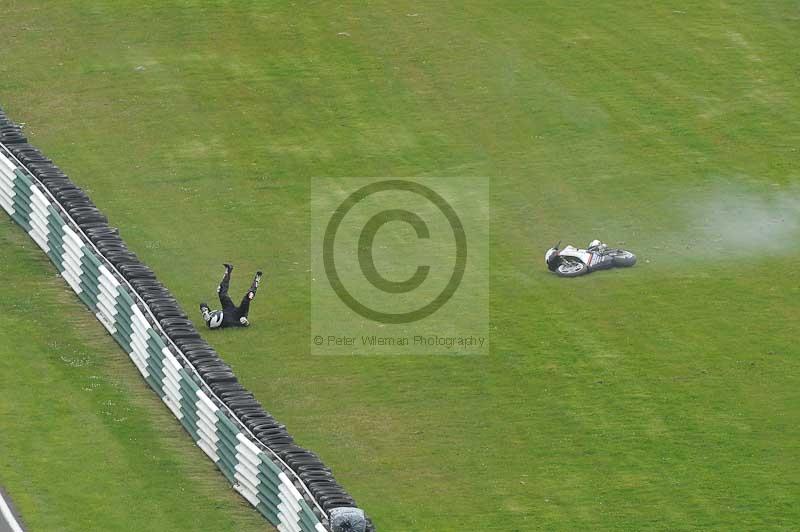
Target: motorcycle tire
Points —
{"points": [[571, 269], [624, 259]]}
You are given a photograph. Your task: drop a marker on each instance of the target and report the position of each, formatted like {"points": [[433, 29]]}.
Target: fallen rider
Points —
{"points": [[230, 315]]}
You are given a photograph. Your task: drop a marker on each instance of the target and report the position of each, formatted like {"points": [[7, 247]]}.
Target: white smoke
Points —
{"points": [[737, 222], [731, 222]]}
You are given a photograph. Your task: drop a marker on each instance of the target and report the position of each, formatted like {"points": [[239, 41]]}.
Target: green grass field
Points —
{"points": [[662, 397]]}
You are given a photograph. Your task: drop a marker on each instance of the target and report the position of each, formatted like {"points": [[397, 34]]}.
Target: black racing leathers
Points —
{"points": [[233, 316]]}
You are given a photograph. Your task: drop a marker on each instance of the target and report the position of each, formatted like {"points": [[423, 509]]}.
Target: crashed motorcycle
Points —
{"points": [[572, 262]]}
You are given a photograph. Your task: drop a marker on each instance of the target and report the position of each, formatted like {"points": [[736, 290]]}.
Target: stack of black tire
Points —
{"points": [[174, 321], [10, 133]]}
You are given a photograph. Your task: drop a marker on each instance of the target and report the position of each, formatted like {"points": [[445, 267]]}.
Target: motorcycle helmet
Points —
{"points": [[551, 259], [347, 519], [214, 319]]}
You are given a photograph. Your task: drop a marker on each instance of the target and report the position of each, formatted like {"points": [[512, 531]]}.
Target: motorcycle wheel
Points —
{"points": [[623, 259], [571, 269]]}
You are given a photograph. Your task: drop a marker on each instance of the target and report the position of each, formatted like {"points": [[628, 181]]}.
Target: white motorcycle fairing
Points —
{"points": [[582, 255]]}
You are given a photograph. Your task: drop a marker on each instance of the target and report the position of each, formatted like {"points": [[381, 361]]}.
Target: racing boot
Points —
{"points": [[254, 286], [226, 280]]}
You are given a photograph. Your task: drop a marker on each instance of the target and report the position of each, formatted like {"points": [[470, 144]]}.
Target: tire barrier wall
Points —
{"points": [[287, 484]]}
